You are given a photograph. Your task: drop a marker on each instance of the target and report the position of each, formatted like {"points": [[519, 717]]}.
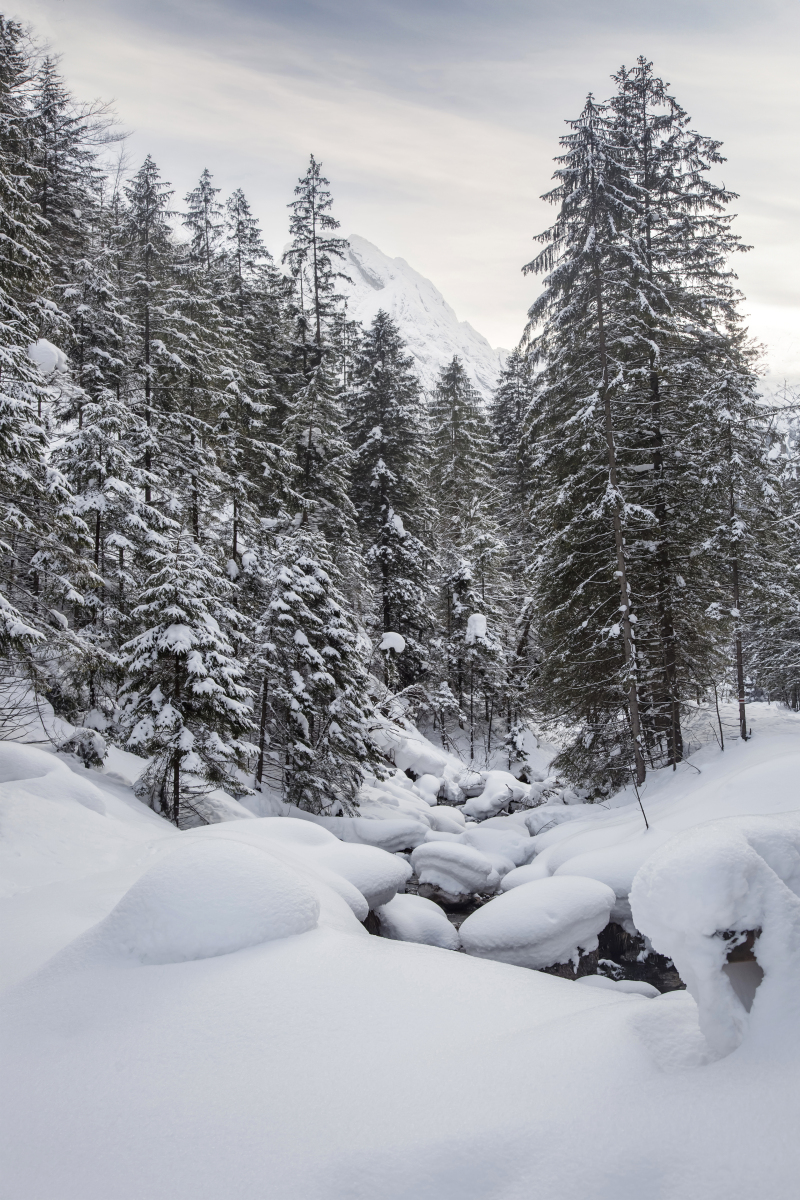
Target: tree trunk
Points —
{"points": [[262, 733], [628, 646]]}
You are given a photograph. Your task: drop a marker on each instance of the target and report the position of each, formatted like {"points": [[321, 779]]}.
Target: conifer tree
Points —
{"points": [[388, 435], [314, 695], [40, 535], [315, 418], [577, 329], [186, 705], [469, 548], [255, 466]]}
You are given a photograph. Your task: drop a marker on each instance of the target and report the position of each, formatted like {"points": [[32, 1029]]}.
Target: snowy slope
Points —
{"points": [[426, 321], [230, 1029]]}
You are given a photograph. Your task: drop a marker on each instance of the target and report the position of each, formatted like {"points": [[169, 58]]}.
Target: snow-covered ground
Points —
{"points": [[201, 1015], [426, 321]]}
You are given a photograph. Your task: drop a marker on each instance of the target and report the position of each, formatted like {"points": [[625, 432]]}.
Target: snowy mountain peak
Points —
{"points": [[426, 321]]}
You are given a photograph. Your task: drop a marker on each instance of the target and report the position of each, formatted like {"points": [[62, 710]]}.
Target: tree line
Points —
{"points": [[236, 534]]}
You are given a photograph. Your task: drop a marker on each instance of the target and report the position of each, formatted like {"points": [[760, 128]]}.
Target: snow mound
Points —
{"points": [[633, 987], [445, 819], [204, 900], [541, 923], [377, 875], [510, 847], [702, 893], [500, 788], [525, 874], [19, 762], [415, 919], [428, 786], [457, 869], [294, 842]]}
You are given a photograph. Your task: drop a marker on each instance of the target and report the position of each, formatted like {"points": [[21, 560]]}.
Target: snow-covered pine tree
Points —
{"points": [[178, 379], [315, 421], [99, 454], [685, 346], [510, 404], [254, 465], [469, 548], [576, 334], [40, 536], [186, 705], [389, 488], [308, 645], [314, 739], [204, 217]]}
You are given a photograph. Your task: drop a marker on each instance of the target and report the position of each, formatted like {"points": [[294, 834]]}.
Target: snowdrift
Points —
{"points": [[200, 1014]]}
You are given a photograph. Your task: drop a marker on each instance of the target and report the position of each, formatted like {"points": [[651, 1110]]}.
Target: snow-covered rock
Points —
{"points": [[510, 848], [500, 788], [427, 323], [525, 874], [540, 924], [630, 987], [427, 786], [445, 819], [200, 901], [377, 875], [456, 869], [415, 919]]}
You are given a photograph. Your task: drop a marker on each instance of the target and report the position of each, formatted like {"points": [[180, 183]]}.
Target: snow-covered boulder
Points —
{"points": [[445, 819], [456, 869], [428, 786], [409, 750], [200, 901], [415, 919], [286, 837], [630, 987], [616, 866], [500, 788], [525, 874], [702, 893], [540, 924], [506, 848], [377, 875]]}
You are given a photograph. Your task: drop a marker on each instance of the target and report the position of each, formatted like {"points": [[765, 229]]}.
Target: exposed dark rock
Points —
{"points": [[587, 965], [372, 924], [625, 956]]}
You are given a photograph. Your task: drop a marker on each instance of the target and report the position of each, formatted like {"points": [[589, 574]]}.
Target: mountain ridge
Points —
{"points": [[427, 323]]}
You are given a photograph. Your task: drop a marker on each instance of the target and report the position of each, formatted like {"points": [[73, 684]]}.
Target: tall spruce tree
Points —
{"points": [[389, 488], [469, 548], [577, 331]]}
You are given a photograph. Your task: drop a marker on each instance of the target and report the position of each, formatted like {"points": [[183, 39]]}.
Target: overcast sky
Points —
{"points": [[437, 120]]}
